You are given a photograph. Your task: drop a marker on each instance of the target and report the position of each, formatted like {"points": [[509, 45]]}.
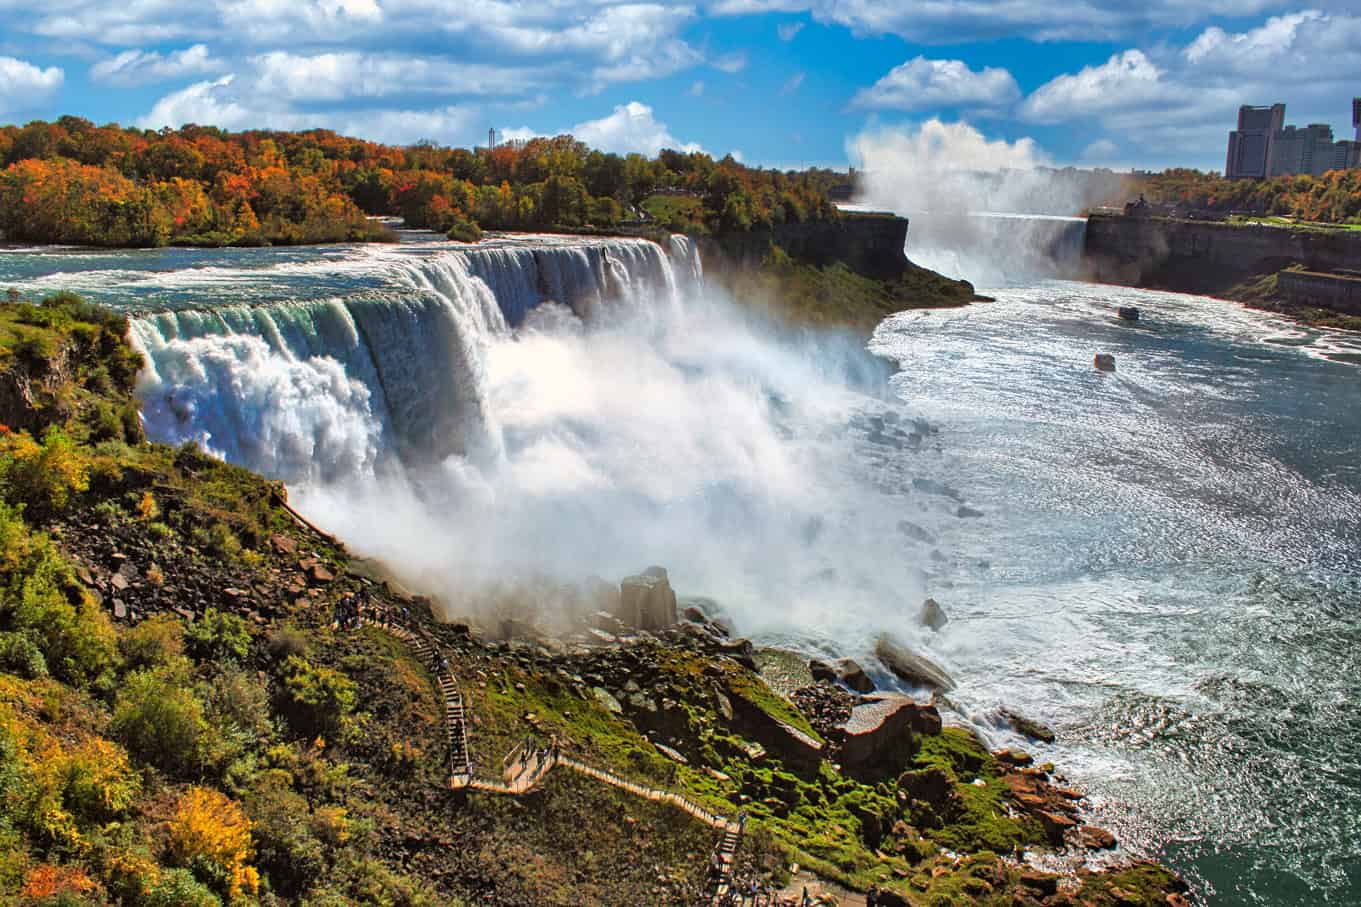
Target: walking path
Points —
{"points": [[526, 765]]}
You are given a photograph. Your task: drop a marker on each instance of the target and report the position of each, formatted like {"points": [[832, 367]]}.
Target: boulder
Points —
{"points": [[1027, 727], [646, 601], [933, 615], [849, 672], [821, 670], [912, 668], [1127, 313], [968, 513], [915, 532], [1093, 838], [754, 722], [1104, 362], [880, 730]]}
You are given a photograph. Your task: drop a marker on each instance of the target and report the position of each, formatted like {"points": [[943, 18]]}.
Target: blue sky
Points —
{"points": [[777, 82]]}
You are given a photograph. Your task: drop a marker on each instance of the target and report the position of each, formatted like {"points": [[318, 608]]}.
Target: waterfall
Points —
{"points": [[996, 250], [316, 391]]}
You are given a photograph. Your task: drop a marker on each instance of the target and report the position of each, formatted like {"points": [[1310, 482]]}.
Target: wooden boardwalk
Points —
{"points": [[526, 765]]}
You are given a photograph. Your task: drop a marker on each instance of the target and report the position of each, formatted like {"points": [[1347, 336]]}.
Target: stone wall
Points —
{"points": [[1339, 292]]}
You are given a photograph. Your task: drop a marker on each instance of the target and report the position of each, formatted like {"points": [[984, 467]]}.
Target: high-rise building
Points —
{"points": [[1250, 144], [1263, 146]]}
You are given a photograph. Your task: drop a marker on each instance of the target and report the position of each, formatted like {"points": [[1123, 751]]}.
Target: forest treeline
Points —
{"points": [[70, 181], [1334, 197]]}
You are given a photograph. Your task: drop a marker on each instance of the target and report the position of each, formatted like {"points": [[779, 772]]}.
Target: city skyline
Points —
{"points": [[774, 82]]}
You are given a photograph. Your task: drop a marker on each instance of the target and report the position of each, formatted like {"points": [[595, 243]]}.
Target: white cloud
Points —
{"points": [[731, 63], [1183, 100], [922, 84], [220, 103], [1125, 80], [793, 83], [139, 67], [336, 76], [1100, 151], [24, 86], [788, 30], [628, 128], [956, 21]]}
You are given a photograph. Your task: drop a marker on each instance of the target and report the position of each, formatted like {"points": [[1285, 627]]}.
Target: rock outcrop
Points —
{"points": [[881, 727], [1103, 362], [647, 601], [917, 670], [933, 615]]}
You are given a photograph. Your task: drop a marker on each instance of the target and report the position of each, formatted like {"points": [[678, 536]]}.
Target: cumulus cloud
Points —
{"points": [[953, 21], [140, 67], [335, 76], [1100, 151], [788, 30], [628, 128], [24, 86], [922, 84], [221, 103], [1184, 99]]}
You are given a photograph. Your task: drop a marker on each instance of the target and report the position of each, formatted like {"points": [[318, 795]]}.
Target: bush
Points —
{"points": [[465, 230], [218, 635], [39, 595], [320, 699], [44, 476], [179, 888], [20, 654], [285, 642], [100, 784], [209, 829], [159, 719], [153, 643]]}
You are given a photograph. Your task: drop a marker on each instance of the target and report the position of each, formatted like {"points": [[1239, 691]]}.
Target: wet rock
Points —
{"points": [[879, 731], [1014, 758], [933, 786], [1027, 727], [915, 532], [1056, 825], [646, 601], [933, 615], [821, 670], [740, 650], [968, 513], [1103, 362], [915, 669], [1093, 838], [792, 744], [849, 672], [1040, 881], [1128, 313], [826, 705]]}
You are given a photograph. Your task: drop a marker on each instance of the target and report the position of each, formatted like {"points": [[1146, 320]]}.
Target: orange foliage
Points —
{"points": [[47, 881]]}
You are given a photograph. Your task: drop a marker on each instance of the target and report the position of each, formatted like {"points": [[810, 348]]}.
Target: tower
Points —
{"points": [[1356, 117], [491, 138], [1250, 145]]}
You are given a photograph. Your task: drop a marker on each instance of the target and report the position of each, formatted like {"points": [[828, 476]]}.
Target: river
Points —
{"points": [[1166, 568]]}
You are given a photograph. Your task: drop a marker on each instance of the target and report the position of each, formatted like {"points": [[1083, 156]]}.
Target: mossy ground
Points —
{"points": [[837, 297]]}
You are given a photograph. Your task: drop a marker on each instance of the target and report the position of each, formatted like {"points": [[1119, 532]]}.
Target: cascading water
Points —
{"points": [[312, 391], [995, 250]]}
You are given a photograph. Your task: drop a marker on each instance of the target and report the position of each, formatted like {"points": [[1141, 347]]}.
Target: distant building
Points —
{"points": [[1250, 144], [1263, 146]]}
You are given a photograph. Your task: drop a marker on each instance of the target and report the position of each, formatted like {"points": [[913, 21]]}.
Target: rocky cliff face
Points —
{"points": [[869, 244], [1200, 257]]}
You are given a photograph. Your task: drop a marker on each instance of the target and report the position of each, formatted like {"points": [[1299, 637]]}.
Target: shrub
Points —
{"points": [[218, 635], [464, 230], [44, 476], [179, 888], [100, 784], [154, 642], [20, 654], [209, 828], [286, 849], [320, 698], [159, 719], [39, 595], [286, 641]]}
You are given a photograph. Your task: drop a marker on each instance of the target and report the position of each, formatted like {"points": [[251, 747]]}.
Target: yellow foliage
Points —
{"points": [[331, 824], [209, 824], [46, 475], [147, 508]]}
